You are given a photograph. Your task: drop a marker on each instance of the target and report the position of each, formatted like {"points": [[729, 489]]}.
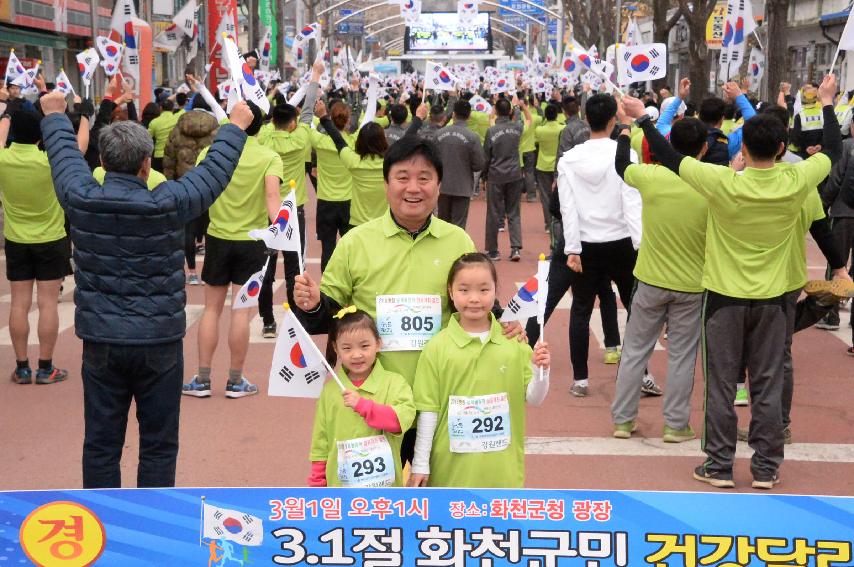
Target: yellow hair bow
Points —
{"points": [[344, 311]]}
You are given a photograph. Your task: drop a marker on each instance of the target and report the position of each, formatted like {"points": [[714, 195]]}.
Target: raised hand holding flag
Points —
{"points": [[14, 69], [111, 51], [283, 234]]}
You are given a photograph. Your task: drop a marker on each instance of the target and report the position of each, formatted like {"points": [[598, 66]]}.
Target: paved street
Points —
{"points": [[264, 441]]}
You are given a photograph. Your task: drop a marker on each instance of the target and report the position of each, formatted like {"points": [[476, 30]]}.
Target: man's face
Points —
{"points": [[14, 91], [412, 190]]}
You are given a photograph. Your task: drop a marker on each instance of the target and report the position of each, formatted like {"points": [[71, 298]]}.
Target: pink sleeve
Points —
{"points": [[317, 477], [378, 416]]}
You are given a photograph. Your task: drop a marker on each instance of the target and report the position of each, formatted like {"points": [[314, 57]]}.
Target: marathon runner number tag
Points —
{"points": [[407, 322], [365, 462], [479, 424]]}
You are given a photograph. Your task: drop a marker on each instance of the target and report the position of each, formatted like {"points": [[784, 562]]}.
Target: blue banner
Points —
{"points": [[515, 19], [421, 527]]}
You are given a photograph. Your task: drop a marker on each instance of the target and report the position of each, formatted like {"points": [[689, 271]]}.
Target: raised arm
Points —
{"points": [[206, 95], [307, 113], [662, 149], [831, 140], [733, 93], [69, 170]]}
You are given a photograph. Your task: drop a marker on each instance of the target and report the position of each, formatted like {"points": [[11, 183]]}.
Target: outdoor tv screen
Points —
{"points": [[441, 31]]}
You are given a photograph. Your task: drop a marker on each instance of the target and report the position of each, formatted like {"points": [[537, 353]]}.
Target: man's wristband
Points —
{"points": [[642, 120]]}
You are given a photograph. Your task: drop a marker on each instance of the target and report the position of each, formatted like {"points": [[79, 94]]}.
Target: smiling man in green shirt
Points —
{"points": [[394, 267]]}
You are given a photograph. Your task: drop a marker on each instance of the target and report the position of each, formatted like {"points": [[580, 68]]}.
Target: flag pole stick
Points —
{"points": [[202, 521], [833, 63], [759, 41]]}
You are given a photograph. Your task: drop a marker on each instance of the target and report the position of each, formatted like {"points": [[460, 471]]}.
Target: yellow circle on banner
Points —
{"points": [[63, 534]]}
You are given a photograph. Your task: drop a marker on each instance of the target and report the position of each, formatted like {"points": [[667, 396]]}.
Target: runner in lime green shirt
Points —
{"points": [[547, 137], [668, 270], [32, 213], [753, 220], [365, 165], [358, 432], [161, 127], [251, 199], [471, 387], [335, 423], [245, 204]]}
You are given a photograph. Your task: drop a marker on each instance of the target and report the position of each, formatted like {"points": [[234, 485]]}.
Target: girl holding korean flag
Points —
{"points": [[356, 440], [471, 388]]}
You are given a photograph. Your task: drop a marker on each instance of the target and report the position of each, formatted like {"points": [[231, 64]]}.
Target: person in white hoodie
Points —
{"points": [[601, 226]]}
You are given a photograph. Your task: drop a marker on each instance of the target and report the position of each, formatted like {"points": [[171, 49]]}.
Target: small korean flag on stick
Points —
{"points": [[298, 366], [63, 85], [283, 234], [438, 78], [248, 294], [112, 53], [530, 300]]}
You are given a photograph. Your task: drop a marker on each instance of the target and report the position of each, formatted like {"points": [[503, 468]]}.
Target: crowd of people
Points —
{"points": [[698, 216]]}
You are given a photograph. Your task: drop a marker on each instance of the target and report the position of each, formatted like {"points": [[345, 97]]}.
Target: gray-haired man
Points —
{"points": [[129, 253]]}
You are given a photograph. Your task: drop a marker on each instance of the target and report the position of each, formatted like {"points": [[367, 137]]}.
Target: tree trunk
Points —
{"points": [[696, 15], [661, 27], [776, 48]]}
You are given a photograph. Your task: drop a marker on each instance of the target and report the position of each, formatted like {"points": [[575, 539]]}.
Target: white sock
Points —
{"points": [[581, 382]]}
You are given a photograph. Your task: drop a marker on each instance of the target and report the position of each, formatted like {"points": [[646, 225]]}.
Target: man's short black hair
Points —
{"points": [[199, 103], [257, 119], [551, 112], [283, 114], [712, 110], [600, 109], [180, 100], [763, 135], [25, 126], [570, 105], [436, 111], [778, 111], [503, 107], [462, 109], [408, 147], [398, 113], [688, 136]]}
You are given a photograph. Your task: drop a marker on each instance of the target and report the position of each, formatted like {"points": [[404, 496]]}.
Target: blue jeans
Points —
{"points": [[113, 375]]}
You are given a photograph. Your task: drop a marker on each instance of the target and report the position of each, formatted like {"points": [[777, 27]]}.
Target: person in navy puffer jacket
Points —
{"points": [[129, 255]]}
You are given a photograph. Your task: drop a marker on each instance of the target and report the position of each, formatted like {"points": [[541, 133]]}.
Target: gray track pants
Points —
{"points": [[737, 331], [651, 308]]}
